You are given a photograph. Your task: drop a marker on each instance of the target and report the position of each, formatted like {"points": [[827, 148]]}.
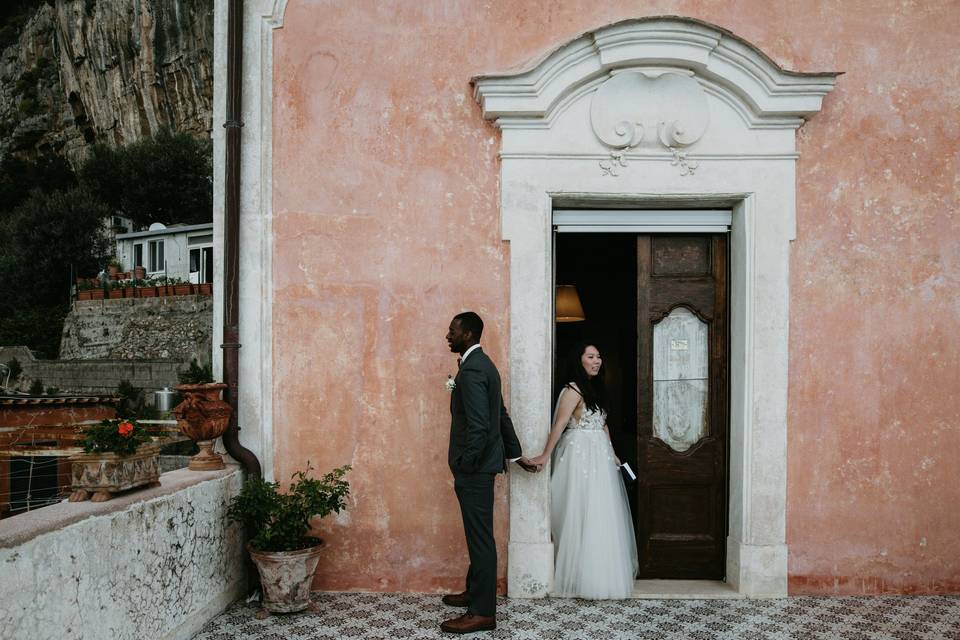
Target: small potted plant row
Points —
{"points": [[94, 289]]}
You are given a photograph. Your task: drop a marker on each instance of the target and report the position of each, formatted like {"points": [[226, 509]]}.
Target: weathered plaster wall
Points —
{"points": [[875, 288], [387, 223], [157, 563]]}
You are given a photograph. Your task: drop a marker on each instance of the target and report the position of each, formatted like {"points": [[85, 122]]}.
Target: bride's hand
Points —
{"points": [[539, 461], [527, 466], [617, 460]]}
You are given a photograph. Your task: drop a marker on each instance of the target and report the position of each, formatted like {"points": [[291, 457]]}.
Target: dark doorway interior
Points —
{"points": [[603, 267], [668, 414]]}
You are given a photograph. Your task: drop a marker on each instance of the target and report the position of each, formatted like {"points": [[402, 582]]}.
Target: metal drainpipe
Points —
{"points": [[231, 253]]}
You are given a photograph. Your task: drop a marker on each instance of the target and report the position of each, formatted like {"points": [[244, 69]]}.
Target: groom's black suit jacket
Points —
{"points": [[481, 432]]}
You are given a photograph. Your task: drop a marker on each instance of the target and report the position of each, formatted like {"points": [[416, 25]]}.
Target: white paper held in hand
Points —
{"points": [[626, 467]]}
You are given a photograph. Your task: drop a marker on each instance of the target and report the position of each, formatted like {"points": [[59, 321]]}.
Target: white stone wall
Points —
{"points": [[152, 564]]}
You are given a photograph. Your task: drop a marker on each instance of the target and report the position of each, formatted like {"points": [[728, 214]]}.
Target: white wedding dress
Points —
{"points": [[594, 542]]}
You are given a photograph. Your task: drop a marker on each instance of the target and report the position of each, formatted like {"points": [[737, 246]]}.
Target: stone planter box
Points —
{"points": [[97, 476]]}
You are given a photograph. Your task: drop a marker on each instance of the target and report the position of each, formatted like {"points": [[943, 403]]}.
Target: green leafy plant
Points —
{"points": [[121, 437], [280, 521], [196, 374]]}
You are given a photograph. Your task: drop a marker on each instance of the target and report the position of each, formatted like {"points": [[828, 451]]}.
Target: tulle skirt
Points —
{"points": [[594, 542]]}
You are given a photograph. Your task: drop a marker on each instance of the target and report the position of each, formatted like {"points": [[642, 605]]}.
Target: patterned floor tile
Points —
{"points": [[386, 616]]}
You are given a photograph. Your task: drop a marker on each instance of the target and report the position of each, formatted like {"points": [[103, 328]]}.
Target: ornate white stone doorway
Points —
{"points": [[658, 113]]}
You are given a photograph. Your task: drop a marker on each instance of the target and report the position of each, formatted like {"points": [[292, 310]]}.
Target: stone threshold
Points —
{"points": [[24, 527], [684, 590]]}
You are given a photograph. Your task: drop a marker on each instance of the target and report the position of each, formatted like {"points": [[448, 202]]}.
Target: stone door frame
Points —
{"points": [[732, 145]]}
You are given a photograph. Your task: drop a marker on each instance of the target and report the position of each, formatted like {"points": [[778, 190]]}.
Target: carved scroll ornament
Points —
{"points": [[632, 110]]}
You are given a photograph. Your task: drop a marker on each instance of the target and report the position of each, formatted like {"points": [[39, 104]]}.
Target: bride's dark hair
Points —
{"points": [[592, 389]]}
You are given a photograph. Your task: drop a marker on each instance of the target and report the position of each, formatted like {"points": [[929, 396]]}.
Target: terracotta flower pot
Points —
{"points": [[84, 295], [116, 293], [286, 577], [205, 288], [140, 273], [96, 294], [129, 292], [146, 292], [103, 474], [182, 289], [203, 417]]}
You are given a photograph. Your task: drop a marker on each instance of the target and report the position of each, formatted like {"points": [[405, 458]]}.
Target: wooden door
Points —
{"points": [[682, 405]]}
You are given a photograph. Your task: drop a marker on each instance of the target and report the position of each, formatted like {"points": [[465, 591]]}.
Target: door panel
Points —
{"points": [[682, 405]]}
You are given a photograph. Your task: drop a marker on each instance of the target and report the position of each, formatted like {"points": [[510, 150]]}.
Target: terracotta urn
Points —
{"points": [[97, 476], [203, 417]]}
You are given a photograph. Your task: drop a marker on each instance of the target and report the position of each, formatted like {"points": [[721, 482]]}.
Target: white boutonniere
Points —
{"points": [[450, 384]]}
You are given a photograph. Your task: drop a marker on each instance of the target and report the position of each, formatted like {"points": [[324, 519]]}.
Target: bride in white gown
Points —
{"points": [[594, 542]]}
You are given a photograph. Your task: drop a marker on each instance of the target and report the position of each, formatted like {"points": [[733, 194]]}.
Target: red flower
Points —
{"points": [[125, 429]]}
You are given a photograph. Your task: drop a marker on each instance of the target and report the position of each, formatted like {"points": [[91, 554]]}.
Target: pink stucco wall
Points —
{"points": [[387, 223]]}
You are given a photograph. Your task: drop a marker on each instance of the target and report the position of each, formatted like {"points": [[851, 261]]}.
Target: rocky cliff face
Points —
{"points": [[111, 71]]}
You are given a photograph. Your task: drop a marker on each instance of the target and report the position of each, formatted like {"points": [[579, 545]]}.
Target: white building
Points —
{"points": [[183, 251]]}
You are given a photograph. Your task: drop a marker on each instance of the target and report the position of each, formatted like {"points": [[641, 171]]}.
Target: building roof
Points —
{"points": [[167, 231], [7, 400]]}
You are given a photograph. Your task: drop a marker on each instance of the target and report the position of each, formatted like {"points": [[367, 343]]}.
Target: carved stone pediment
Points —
{"points": [[652, 85], [635, 109]]}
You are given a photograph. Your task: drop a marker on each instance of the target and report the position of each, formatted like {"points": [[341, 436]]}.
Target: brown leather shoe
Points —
{"points": [[469, 623], [457, 599]]}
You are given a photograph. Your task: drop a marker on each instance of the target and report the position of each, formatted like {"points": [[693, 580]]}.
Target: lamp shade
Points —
{"points": [[568, 305]]}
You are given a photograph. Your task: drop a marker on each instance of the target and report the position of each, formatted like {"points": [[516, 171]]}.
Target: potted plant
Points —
{"points": [[205, 288], [84, 289], [116, 289], [145, 288], [129, 288], [181, 288], [202, 416], [118, 455], [281, 544], [140, 272], [113, 267]]}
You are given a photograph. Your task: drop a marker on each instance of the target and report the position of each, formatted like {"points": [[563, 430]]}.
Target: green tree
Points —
{"points": [[42, 237], [19, 177], [166, 178]]}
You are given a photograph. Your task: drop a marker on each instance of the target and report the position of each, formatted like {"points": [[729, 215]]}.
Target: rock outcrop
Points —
{"points": [[111, 71]]}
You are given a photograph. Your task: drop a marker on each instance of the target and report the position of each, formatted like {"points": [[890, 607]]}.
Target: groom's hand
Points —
{"points": [[528, 466]]}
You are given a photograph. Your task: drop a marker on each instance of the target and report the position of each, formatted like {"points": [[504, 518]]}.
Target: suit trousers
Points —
{"points": [[475, 494]]}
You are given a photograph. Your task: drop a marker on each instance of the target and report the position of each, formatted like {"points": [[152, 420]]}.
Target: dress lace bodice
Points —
{"points": [[590, 420]]}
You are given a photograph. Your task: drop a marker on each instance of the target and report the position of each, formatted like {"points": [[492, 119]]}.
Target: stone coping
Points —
{"points": [[27, 526]]}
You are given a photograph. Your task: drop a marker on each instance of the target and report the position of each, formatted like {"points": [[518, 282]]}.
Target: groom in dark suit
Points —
{"points": [[482, 441]]}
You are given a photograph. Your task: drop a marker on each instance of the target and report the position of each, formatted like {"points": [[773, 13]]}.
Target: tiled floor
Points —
{"points": [[387, 616]]}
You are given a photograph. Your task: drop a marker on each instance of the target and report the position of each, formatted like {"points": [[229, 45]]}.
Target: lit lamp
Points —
{"points": [[568, 305]]}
